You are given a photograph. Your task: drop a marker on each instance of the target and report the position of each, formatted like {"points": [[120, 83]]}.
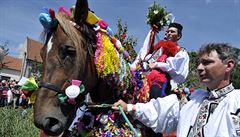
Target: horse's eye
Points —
{"points": [[67, 51]]}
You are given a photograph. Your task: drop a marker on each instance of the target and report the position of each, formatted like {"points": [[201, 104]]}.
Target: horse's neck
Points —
{"points": [[103, 93]]}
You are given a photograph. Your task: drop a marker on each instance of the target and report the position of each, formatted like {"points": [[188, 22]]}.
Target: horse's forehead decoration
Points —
{"points": [[48, 20]]}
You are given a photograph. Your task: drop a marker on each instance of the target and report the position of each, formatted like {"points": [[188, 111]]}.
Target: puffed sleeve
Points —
{"points": [[177, 66], [160, 114], [143, 51]]}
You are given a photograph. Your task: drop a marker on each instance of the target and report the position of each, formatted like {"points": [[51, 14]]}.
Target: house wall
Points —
{"points": [[29, 64], [13, 74], [23, 55], [26, 65], [23, 49]]}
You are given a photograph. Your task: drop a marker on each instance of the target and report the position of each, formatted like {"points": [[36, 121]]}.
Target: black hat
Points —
{"points": [[176, 25]]}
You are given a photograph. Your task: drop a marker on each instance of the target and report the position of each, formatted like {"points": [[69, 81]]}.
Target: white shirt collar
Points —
{"points": [[217, 93]]}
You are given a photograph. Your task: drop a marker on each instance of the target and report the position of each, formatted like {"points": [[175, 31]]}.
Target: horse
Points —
{"points": [[68, 54]]}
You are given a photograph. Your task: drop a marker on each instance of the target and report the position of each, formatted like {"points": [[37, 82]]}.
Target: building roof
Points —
{"points": [[11, 62], [33, 50]]}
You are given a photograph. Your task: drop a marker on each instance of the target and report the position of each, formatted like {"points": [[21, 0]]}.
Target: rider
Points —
{"points": [[175, 66]]}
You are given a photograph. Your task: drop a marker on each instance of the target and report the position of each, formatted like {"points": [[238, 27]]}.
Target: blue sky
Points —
{"points": [[203, 20]]}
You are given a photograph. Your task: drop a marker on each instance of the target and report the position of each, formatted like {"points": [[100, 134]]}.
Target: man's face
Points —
{"points": [[211, 70], [172, 34]]}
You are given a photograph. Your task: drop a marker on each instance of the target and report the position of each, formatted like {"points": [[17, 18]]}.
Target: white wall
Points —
{"points": [[13, 74]]}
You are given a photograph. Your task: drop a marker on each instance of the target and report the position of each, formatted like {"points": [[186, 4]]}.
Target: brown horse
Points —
{"points": [[67, 55]]}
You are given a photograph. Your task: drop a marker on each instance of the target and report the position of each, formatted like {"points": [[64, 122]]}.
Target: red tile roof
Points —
{"points": [[33, 50], [12, 63]]}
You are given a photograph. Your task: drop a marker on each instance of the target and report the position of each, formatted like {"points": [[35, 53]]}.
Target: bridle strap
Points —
{"points": [[50, 86]]}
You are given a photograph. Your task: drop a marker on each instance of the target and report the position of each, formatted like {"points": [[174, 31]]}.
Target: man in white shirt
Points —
{"points": [[175, 65], [167, 61], [213, 112]]}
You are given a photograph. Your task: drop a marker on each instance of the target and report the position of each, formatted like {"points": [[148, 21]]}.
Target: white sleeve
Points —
{"points": [[177, 67], [160, 114], [143, 51]]}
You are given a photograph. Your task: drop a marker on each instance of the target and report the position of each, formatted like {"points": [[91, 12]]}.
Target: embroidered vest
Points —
{"points": [[207, 108]]}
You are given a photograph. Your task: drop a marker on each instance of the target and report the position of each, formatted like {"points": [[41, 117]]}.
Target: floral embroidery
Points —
{"points": [[208, 106], [236, 121]]}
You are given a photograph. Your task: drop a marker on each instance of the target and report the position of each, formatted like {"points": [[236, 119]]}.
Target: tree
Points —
{"points": [[128, 42], [3, 52], [236, 76], [36, 70], [192, 79]]}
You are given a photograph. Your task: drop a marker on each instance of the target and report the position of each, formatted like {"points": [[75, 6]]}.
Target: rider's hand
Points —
{"points": [[152, 65], [133, 66], [121, 103]]}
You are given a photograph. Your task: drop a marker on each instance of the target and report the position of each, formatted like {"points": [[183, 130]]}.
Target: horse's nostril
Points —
{"points": [[52, 126]]}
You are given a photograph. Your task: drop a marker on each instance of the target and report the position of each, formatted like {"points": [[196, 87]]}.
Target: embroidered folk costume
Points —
{"points": [[207, 113]]}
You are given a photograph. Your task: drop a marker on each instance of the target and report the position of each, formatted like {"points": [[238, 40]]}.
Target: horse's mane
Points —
{"points": [[77, 37], [69, 29]]}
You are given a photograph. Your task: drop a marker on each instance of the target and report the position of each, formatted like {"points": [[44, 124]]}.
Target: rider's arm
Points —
{"points": [[143, 52], [177, 67], [160, 114]]}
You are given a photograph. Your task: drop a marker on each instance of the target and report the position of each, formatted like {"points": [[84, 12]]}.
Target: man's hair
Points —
{"points": [[224, 50]]}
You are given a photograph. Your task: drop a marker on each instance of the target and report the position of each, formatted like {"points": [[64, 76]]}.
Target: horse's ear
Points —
{"points": [[81, 11]]}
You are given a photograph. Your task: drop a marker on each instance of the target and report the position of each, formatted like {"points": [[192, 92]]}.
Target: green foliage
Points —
{"points": [[236, 73], [36, 70], [158, 16], [17, 123], [192, 79], [236, 77], [128, 42], [3, 52]]}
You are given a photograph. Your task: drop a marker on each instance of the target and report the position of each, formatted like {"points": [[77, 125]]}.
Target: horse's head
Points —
{"points": [[66, 56]]}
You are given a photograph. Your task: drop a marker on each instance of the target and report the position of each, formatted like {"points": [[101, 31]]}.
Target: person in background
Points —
{"points": [[9, 95], [16, 95], [213, 112]]}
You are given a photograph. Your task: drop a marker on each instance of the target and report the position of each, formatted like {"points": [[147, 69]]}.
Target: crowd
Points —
{"points": [[12, 95]]}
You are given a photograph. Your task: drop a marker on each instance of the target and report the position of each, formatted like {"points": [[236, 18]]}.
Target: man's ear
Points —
{"points": [[230, 65], [179, 36]]}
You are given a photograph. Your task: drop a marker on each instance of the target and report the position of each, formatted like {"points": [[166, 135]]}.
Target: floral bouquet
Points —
{"points": [[158, 17]]}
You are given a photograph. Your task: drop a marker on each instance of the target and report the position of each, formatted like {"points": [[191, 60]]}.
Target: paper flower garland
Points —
{"points": [[48, 20], [72, 92], [158, 16]]}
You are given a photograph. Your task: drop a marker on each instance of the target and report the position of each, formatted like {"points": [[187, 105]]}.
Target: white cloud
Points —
{"points": [[20, 50]]}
